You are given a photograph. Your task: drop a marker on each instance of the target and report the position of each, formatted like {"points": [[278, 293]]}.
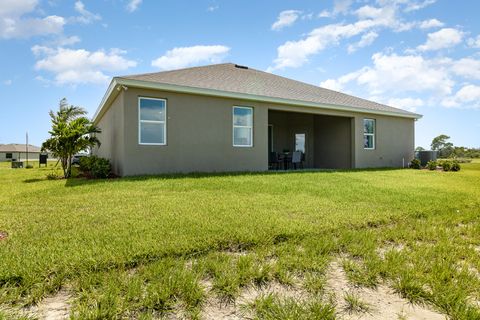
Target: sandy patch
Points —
{"points": [[217, 309], [464, 265], [3, 235], [56, 307], [383, 302], [382, 251]]}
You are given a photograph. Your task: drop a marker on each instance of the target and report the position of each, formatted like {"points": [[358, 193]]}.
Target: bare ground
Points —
{"points": [[383, 302], [56, 307]]}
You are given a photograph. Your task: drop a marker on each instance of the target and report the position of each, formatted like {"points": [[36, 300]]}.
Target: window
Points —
{"points": [[8, 155], [242, 127], [369, 134], [152, 126], [300, 142]]}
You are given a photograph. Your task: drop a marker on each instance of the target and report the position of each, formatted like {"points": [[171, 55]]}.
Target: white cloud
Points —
{"points": [[66, 41], [467, 67], [370, 20], [80, 66], [324, 14], [442, 39], [339, 7], [398, 74], [296, 53], [338, 84], [13, 24], [467, 97], [212, 8], [17, 8], [391, 76], [285, 19], [188, 56], [366, 40], [86, 17], [133, 5], [409, 104], [7, 82], [432, 23], [417, 5], [474, 42]]}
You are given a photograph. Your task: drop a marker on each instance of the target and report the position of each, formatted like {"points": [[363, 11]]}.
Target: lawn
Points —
{"points": [[148, 247]]}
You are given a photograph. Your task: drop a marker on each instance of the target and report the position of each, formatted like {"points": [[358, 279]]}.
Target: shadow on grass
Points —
{"points": [[34, 180], [74, 182]]}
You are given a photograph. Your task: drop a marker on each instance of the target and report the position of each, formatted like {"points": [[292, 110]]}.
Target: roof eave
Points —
{"points": [[219, 93], [108, 97]]}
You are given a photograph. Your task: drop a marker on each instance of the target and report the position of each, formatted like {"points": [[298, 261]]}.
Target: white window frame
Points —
{"points": [[370, 134], [237, 126], [140, 121]]}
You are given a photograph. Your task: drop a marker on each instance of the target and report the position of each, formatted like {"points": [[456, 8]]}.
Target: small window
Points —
{"points": [[242, 126], [152, 126], [369, 134], [8, 155]]}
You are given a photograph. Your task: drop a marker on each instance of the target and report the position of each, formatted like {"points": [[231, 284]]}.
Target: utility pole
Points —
{"points": [[26, 147]]}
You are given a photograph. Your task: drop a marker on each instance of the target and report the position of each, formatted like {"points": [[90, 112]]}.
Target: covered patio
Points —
{"points": [[325, 141]]}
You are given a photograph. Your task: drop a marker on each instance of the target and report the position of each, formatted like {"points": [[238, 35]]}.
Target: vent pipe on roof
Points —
{"points": [[241, 67]]}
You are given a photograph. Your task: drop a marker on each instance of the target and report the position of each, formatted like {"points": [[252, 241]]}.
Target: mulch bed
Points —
{"points": [[3, 235]]}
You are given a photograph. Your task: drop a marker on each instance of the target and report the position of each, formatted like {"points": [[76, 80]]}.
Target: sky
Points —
{"points": [[418, 55]]}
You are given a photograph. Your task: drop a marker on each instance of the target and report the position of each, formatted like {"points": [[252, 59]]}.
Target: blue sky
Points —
{"points": [[420, 55]]}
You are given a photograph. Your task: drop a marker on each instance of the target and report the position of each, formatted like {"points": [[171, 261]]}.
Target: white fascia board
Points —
{"points": [[235, 95], [103, 103]]}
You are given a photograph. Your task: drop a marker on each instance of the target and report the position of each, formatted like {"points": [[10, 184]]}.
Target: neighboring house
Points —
{"points": [[227, 117], [15, 151]]}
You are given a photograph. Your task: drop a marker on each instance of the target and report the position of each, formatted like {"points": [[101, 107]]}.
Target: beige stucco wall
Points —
{"points": [[394, 146], [199, 136], [112, 136]]}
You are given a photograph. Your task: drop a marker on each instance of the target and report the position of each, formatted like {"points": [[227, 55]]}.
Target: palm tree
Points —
{"points": [[71, 133]]}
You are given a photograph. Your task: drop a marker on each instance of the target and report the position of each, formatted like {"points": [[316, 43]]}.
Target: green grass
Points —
{"points": [[142, 247], [353, 304]]}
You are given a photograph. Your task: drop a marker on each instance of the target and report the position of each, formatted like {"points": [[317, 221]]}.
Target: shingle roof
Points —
{"points": [[228, 77], [15, 147]]}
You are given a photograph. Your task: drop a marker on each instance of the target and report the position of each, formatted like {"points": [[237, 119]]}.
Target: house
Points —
{"points": [[227, 117], [15, 151]]}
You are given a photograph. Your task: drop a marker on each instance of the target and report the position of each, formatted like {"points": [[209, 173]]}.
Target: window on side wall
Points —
{"points": [[152, 121], [369, 134], [242, 126], [8, 155]]}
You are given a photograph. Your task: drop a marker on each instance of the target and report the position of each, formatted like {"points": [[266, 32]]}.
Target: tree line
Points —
{"points": [[446, 149]]}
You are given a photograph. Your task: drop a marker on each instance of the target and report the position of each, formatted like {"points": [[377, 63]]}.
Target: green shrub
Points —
{"points": [[415, 164], [446, 165], [432, 165], [95, 167], [455, 166]]}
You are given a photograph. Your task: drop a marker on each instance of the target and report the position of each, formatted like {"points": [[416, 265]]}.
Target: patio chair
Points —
{"points": [[273, 160], [297, 160]]}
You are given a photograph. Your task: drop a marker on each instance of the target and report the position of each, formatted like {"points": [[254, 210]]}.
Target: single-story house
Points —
{"points": [[15, 151], [227, 117]]}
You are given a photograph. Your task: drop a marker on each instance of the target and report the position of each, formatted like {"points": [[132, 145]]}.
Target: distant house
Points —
{"points": [[15, 151], [227, 117]]}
